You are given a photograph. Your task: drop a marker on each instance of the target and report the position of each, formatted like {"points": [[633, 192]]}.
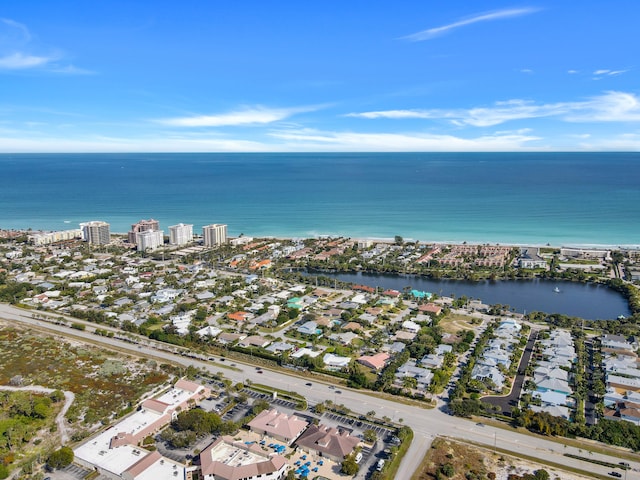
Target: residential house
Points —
{"points": [[309, 328], [374, 362], [335, 362]]}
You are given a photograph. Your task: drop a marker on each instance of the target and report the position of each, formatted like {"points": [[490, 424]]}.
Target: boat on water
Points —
{"points": [[556, 290], [621, 317]]}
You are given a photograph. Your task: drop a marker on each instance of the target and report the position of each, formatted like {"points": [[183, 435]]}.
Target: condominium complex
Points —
{"points": [[149, 240], [180, 234], [142, 226], [46, 238], [214, 235], [96, 232]]}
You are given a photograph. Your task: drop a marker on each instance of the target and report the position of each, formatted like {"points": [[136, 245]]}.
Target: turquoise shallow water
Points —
{"points": [[517, 198]]}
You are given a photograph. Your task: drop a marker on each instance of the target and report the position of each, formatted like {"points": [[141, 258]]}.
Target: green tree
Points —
{"points": [[448, 470], [349, 465], [541, 474], [370, 436], [61, 458]]}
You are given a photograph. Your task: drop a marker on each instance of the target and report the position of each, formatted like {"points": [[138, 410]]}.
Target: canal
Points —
{"points": [[588, 301]]}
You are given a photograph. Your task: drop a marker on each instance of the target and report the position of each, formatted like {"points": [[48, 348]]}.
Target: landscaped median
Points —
{"points": [[299, 400]]}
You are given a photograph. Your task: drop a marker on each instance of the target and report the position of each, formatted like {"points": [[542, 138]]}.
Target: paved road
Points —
{"points": [[426, 424], [507, 402]]}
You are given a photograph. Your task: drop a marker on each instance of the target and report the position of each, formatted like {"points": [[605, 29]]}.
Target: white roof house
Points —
{"points": [[411, 326], [335, 361], [484, 372]]}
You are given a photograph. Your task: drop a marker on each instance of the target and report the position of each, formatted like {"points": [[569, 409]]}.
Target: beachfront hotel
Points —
{"points": [[180, 234], [142, 226], [214, 235], [96, 232]]}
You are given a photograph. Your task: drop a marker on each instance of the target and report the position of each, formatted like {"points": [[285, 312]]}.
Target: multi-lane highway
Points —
{"points": [[426, 423]]}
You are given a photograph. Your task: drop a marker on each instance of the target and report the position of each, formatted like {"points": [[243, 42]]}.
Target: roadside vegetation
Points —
{"points": [[106, 385], [27, 427]]}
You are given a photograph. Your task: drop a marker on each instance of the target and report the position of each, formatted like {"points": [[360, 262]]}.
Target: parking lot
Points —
{"points": [[263, 396], [361, 425], [72, 472]]}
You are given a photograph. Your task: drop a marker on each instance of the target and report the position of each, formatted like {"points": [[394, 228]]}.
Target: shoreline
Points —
{"points": [[391, 240]]}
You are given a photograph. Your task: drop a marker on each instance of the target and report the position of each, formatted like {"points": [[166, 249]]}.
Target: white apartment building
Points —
{"points": [[149, 240], [215, 234], [96, 232], [180, 234], [54, 237]]}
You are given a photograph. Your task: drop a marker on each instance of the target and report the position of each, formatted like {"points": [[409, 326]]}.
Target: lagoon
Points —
{"points": [[584, 300]]}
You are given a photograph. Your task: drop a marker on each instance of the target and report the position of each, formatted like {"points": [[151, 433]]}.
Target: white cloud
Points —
{"points": [[19, 27], [396, 114], [476, 117], [608, 107], [72, 70], [19, 52], [484, 17], [607, 73], [526, 70], [19, 61], [314, 140], [42, 144], [247, 116], [572, 72]]}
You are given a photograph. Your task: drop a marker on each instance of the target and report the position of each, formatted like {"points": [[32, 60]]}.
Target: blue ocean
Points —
{"points": [[512, 198]]}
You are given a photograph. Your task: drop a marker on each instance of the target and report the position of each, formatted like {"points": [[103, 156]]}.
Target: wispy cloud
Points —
{"points": [[57, 144], [18, 51], [72, 70], [246, 116], [607, 73], [483, 17], [608, 107], [477, 117], [21, 61], [314, 140], [610, 73], [18, 28]]}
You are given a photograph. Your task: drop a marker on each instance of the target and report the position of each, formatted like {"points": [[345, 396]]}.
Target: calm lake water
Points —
{"points": [[591, 302]]}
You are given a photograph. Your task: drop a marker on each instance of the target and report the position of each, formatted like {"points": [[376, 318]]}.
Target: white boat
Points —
{"points": [[556, 290]]}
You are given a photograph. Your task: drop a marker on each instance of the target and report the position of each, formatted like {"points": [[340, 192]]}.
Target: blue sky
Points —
{"points": [[152, 76]]}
